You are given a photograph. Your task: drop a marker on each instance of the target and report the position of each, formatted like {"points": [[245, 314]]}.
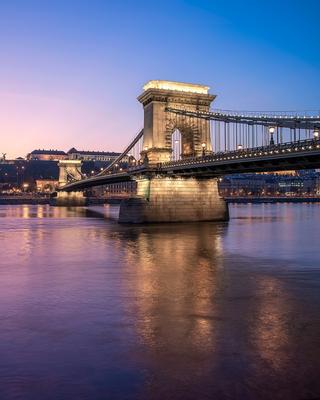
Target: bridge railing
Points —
{"points": [[277, 149], [298, 115], [232, 130]]}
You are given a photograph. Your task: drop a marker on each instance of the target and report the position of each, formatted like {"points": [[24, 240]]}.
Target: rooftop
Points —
{"points": [[54, 152], [93, 153]]}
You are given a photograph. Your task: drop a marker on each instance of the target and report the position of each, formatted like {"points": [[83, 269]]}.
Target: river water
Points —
{"points": [[90, 309]]}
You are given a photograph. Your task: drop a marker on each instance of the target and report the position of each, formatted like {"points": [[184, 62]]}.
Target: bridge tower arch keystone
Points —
{"points": [[159, 123]]}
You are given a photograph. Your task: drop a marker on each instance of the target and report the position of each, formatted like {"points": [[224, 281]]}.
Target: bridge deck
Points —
{"points": [[297, 155]]}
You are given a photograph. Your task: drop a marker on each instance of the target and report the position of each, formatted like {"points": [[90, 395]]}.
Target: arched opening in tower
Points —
{"points": [[176, 140]]}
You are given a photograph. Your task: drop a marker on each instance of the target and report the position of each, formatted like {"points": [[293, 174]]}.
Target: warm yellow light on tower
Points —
{"points": [[177, 86]]}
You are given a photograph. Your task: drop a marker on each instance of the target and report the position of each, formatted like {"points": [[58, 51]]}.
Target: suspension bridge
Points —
{"points": [[184, 147]]}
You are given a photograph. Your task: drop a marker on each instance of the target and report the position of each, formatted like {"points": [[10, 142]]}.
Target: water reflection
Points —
{"points": [[174, 282], [179, 311], [175, 296], [270, 330]]}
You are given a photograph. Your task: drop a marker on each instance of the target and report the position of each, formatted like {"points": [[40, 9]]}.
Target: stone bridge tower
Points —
{"points": [[69, 170], [160, 124], [174, 198]]}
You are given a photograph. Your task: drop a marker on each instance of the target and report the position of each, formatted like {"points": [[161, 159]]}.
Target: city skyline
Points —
{"points": [[71, 73]]}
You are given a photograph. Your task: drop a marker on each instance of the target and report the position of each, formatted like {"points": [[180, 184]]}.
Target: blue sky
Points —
{"points": [[70, 71]]}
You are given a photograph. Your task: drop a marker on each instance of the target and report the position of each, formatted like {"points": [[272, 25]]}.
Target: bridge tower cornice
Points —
{"points": [[169, 96]]}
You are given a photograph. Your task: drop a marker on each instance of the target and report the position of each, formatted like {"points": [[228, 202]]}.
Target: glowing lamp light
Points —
{"points": [[316, 134], [239, 147], [203, 145], [271, 131]]}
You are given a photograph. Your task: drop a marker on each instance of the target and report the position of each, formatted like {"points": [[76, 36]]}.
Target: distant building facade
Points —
{"points": [[74, 154], [46, 185], [121, 189], [47, 155], [298, 183]]}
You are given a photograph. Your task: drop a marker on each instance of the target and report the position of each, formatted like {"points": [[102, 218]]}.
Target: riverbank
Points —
{"points": [[259, 200], [28, 200], [32, 200], [15, 200]]}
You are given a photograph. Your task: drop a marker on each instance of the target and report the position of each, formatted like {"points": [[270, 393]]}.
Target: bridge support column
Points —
{"points": [[69, 199], [174, 199]]}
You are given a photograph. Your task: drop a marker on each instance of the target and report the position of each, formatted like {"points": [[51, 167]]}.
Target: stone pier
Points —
{"points": [[69, 199], [174, 199]]}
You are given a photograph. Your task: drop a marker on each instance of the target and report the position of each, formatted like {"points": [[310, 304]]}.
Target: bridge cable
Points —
{"points": [[123, 154]]}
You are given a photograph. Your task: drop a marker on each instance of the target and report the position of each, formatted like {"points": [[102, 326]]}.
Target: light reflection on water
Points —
{"points": [[95, 310]]}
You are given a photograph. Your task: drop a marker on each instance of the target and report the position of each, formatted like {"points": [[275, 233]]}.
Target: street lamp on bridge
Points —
{"points": [[316, 134], [203, 145], [271, 131]]}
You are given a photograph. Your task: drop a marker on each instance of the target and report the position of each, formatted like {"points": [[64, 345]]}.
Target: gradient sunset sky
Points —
{"points": [[70, 70]]}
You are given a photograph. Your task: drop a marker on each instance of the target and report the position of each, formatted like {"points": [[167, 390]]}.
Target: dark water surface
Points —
{"points": [[90, 309]]}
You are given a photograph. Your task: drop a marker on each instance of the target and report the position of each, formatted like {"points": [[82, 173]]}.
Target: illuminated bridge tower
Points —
{"points": [[159, 124], [69, 170], [174, 198]]}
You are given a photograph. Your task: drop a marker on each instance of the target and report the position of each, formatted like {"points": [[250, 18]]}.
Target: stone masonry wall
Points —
{"points": [[165, 199]]}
